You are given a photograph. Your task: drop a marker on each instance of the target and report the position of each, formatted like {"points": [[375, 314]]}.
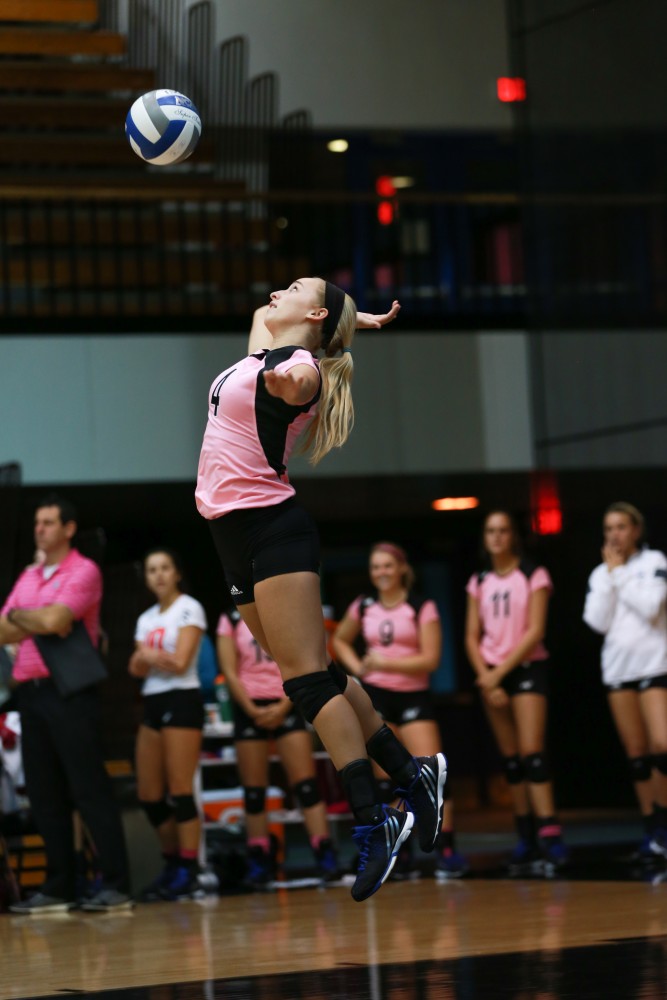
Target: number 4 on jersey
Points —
{"points": [[215, 395]]}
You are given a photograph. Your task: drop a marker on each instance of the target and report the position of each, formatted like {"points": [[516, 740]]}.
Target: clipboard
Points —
{"points": [[73, 661]]}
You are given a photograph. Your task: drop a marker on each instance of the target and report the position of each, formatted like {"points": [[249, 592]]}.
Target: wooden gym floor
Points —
{"points": [[599, 933]]}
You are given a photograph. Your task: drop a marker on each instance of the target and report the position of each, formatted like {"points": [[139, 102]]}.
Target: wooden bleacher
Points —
{"points": [[88, 228]]}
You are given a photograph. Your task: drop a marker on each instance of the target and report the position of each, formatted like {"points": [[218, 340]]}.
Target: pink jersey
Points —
{"points": [[258, 673], [394, 633], [76, 583], [503, 610], [250, 435]]}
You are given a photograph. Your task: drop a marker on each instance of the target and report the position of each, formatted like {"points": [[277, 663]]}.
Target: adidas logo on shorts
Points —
{"points": [[235, 592]]}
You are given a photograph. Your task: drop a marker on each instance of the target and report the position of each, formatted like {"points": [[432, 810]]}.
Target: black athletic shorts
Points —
{"points": [[246, 729], [180, 708], [527, 678], [642, 684], [256, 543], [401, 707]]}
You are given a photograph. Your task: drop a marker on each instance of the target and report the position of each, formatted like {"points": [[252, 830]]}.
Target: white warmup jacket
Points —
{"points": [[627, 605]]}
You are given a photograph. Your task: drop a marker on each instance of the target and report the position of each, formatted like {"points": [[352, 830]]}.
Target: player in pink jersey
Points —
{"points": [[402, 637], [169, 740], [269, 548], [505, 624], [262, 713], [63, 755]]}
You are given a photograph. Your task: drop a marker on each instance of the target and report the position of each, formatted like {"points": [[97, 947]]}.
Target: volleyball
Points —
{"points": [[163, 127]]}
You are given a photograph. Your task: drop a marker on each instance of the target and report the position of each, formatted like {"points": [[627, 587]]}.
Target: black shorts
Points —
{"points": [[180, 708], [257, 543], [245, 728], [527, 678], [401, 707], [642, 684]]}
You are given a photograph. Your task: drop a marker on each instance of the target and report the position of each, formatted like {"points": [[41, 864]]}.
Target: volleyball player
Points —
{"points": [[626, 603], [269, 548], [169, 740], [402, 637], [263, 713], [505, 624]]}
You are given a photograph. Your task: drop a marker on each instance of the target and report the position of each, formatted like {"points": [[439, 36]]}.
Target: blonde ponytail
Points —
{"points": [[333, 422]]}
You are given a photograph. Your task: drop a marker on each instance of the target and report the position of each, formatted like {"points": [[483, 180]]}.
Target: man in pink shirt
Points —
{"points": [[62, 754]]}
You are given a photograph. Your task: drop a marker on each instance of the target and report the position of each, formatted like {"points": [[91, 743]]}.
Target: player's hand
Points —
{"points": [[373, 661], [296, 387], [374, 321], [137, 667], [497, 697], [488, 681], [271, 716], [612, 557]]}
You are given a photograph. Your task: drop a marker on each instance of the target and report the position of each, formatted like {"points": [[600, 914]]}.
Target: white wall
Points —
{"points": [[132, 409], [383, 63], [602, 401]]}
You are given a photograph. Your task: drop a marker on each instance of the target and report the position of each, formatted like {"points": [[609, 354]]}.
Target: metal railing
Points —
{"points": [[193, 258]]}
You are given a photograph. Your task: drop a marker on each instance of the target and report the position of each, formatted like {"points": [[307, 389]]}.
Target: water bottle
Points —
{"points": [[222, 698]]}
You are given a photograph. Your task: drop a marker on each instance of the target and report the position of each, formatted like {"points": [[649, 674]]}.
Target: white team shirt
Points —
{"points": [[628, 606], [159, 629]]}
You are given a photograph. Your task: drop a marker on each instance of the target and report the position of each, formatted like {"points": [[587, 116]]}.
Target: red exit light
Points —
{"points": [[385, 187], [385, 213], [511, 89], [548, 521]]}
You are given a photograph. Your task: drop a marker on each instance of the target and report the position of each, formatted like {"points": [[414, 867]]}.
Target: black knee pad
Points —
{"points": [[311, 692], [157, 812], [640, 768], [185, 808], [307, 793], [536, 768], [660, 762], [338, 676], [254, 799], [514, 771]]}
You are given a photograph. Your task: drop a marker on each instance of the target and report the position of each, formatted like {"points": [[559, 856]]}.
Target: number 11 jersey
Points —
{"points": [[503, 609]]}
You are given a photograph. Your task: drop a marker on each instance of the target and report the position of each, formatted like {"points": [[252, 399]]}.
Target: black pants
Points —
{"points": [[64, 770]]}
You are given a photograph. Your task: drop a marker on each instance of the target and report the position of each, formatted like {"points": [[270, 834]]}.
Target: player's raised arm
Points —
{"points": [[260, 338]]}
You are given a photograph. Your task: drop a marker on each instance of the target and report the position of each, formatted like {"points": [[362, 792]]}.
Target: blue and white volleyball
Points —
{"points": [[163, 127]]}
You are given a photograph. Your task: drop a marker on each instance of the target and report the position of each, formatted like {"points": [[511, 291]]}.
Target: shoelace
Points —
{"points": [[360, 837]]}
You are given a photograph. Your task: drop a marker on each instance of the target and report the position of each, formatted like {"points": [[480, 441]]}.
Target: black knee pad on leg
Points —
{"points": [[338, 676], [514, 771], [254, 799], [185, 808], [660, 762], [307, 793], [157, 812], [640, 768], [536, 768], [311, 692]]}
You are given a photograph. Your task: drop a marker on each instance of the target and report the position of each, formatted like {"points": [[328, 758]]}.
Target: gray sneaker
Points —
{"points": [[106, 901], [41, 903]]}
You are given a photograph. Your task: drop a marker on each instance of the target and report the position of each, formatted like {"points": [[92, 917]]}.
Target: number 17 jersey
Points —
{"points": [[503, 609]]}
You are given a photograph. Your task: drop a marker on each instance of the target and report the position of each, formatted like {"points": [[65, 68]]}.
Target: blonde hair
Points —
{"points": [[334, 418], [629, 509], [400, 555]]}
